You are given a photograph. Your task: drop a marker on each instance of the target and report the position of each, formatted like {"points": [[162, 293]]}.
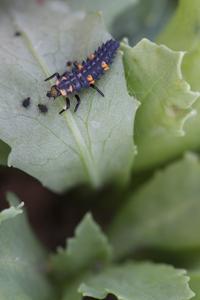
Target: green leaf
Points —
{"points": [[182, 34], [4, 152], [164, 213], [144, 19], [71, 290], [12, 211], [133, 19], [111, 10], [22, 259], [88, 249], [61, 151], [139, 281], [195, 283], [154, 76]]}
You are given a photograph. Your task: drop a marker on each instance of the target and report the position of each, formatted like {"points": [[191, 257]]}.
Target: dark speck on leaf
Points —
{"points": [[43, 108], [26, 102], [17, 33]]}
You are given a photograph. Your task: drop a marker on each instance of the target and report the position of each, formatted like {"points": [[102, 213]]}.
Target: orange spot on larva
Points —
{"points": [[63, 92], [80, 67], [90, 79], [105, 66]]}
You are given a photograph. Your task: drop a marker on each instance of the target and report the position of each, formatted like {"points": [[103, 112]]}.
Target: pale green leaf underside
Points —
{"points": [[110, 9], [92, 146], [139, 282], [86, 250], [22, 260], [164, 213], [154, 75]]}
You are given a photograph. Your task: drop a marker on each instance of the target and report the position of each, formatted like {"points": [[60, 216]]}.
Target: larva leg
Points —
{"points": [[57, 75], [67, 106], [98, 90], [78, 102]]}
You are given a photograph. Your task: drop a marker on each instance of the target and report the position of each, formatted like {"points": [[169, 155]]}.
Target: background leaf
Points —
{"points": [[88, 249], [139, 282], [4, 152], [12, 211], [61, 151], [133, 19], [71, 290], [182, 33], [144, 19], [164, 213], [154, 75], [185, 26], [22, 259], [195, 283], [110, 9]]}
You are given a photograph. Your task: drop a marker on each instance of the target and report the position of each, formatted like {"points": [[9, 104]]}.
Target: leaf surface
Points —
{"points": [[111, 10], [61, 151], [181, 34], [22, 259], [144, 19], [154, 76], [11, 212], [195, 283], [88, 249], [133, 19], [163, 214], [4, 152], [142, 281]]}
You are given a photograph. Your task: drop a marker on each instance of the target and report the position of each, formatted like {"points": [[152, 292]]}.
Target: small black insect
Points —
{"points": [[17, 33], [83, 75], [26, 102], [43, 108]]}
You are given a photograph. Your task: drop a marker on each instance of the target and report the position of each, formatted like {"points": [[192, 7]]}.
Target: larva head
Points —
{"points": [[54, 92]]}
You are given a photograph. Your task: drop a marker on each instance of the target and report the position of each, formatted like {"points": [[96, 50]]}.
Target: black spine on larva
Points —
{"points": [[104, 53]]}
